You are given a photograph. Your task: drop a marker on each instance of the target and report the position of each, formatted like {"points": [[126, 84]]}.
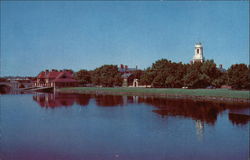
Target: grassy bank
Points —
{"points": [[220, 93]]}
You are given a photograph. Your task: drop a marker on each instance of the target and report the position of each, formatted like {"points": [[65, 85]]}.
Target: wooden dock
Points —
{"points": [[40, 89]]}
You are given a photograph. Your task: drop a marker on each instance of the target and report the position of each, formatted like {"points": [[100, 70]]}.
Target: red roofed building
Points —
{"points": [[56, 78]]}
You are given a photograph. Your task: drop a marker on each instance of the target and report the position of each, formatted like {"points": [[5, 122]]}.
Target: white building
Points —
{"points": [[198, 53]]}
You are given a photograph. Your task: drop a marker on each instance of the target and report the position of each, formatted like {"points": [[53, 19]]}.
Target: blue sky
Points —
{"points": [[84, 35]]}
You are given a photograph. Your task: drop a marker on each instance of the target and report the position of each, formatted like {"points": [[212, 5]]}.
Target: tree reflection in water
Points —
{"points": [[82, 99], [109, 100], [205, 112], [201, 111], [238, 119]]}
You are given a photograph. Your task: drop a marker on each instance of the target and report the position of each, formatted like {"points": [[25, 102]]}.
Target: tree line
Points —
{"points": [[166, 74]]}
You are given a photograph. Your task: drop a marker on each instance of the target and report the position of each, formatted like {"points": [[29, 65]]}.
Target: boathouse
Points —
{"points": [[56, 78]]}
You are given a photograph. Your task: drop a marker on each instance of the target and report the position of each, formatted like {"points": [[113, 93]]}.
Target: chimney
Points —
{"points": [[126, 67], [220, 66], [46, 72], [122, 66]]}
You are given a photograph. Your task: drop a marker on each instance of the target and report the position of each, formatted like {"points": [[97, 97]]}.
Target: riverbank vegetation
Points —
{"points": [[166, 74]]}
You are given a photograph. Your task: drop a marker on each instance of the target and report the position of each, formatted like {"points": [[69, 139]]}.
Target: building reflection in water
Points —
{"points": [[135, 99], [200, 111], [199, 125], [48, 100]]}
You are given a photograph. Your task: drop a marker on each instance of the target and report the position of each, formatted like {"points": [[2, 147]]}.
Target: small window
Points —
{"points": [[198, 51]]}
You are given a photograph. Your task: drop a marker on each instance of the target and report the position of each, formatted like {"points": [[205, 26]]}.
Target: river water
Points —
{"points": [[43, 126]]}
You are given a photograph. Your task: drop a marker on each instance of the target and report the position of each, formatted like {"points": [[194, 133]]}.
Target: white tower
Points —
{"points": [[198, 53]]}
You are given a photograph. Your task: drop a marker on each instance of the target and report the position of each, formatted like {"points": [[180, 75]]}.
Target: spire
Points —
{"points": [[198, 53]]}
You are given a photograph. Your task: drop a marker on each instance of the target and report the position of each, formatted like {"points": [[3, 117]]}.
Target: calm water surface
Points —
{"points": [[104, 127]]}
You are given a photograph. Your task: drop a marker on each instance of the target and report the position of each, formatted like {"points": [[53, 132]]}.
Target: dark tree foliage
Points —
{"points": [[238, 76], [221, 80], [161, 70], [107, 76], [201, 75], [147, 77], [83, 76], [175, 76], [165, 73]]}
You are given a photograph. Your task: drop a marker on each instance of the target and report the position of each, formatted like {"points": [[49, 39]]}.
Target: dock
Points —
{"points": [[39, 89]]}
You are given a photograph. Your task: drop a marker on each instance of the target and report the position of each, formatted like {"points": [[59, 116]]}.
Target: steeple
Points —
{"points": [[198, 53]]}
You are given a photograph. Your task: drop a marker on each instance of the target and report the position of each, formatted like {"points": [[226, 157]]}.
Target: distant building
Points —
{"points": [[126, 73], [125, 69], [55, 78], [129, 79], [198, 53], [125, 77]]}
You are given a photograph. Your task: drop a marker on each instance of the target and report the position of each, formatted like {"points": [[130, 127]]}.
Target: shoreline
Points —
{"points": [[155, 93]]}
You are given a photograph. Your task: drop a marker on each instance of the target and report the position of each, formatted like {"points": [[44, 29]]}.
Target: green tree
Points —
{"points": [[147, 77], [175, 75], [209, 68], [191, 78], [164, 73], [196, 76], [159, 81], [201, 75], [161, 69], [222, 79], [83, 76], [171, 81], [107, 76], [238, 76]]}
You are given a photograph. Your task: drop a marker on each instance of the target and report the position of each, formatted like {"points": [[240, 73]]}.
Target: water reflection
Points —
{"points": [[109, 100], [200, 111], [199, 125], [48, 100], [238, 119], [4, 89], [53, 101], [204, 111], [82, 99]]}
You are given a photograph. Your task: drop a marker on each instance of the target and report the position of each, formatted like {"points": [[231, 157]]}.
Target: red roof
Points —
{"points": [[58, 76], [41, 75], [65, 74], [65, 77], [53, 74]]}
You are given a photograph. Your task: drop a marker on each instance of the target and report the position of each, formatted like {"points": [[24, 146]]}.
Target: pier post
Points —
{"points": [[54, 90]]}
